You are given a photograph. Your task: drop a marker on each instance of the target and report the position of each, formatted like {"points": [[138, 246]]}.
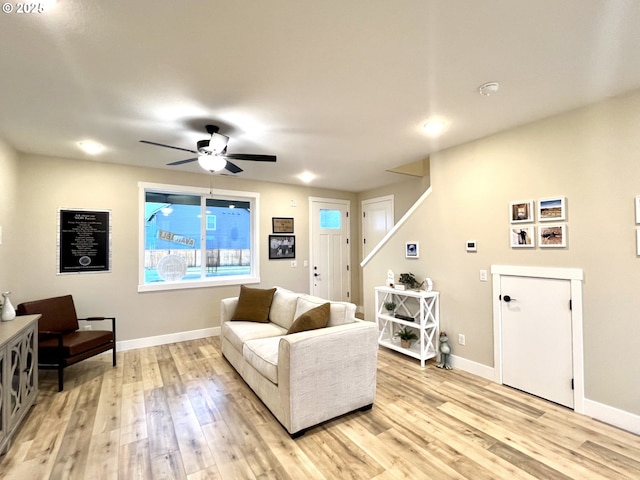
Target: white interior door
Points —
{"points": [[377, 220], [330, 249], [537, 353]]}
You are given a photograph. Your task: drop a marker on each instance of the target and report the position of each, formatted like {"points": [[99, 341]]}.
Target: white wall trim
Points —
{"points": [[575, 276], [395, 228], [613, 416], [125, 345], [470, 366]]}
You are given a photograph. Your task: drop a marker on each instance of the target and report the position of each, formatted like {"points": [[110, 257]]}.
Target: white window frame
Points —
{"points": [[252, 197]]}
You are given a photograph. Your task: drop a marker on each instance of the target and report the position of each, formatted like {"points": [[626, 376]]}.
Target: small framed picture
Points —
{"points": [[552, 209], [412, 250], [282, 246], [553, 235], [282, 225], [521, 212], [523, 236], [638, 209]]}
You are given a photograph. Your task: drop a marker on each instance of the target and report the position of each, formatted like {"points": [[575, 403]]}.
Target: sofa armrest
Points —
{"points": [[227, 308], [327, 372]]}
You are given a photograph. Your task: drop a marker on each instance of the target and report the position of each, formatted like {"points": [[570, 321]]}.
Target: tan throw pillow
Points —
{"points": [[254, 304], [310, 320]]}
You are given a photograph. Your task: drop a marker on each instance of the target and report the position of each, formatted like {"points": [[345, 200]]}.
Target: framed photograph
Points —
{"points": [[552, 209], [282, 246], [553, 235], [282, 225], [521, 212], [412, 250], [638, 209], [523, 236]]}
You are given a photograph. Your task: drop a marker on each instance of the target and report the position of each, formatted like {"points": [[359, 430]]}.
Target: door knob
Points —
{"points": [[507, 298], [316, 274]]}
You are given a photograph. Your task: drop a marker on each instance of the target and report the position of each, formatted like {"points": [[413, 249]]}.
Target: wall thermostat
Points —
{"points": [[472, 246]]}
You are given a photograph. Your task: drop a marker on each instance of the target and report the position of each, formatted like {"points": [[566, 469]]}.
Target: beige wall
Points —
{"points": [[47, 184], [591, 156], [8, 202]]}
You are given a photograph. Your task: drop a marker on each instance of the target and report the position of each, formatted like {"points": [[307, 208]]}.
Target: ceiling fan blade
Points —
{"points": [[232, 167], [180, 162], [248, 156], [168, 146]]}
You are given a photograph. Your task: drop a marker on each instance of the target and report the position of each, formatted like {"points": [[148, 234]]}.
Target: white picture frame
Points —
{"points": [[522, 236], [412, 250], [521, 212], [552, 209], [552, 235]]}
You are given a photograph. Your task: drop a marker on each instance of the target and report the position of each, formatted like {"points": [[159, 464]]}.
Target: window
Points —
{"points": [[192, 237]]}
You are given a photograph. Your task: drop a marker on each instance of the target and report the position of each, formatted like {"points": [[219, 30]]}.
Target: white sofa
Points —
{"points": [[308, 377]]}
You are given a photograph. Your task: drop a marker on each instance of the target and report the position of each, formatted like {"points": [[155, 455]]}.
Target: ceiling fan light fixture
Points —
{"points": [[212, 163], [217, 143]]}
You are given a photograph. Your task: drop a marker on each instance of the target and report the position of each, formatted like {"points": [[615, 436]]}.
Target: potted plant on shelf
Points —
{"points": [[390, 307], [407, 336]]}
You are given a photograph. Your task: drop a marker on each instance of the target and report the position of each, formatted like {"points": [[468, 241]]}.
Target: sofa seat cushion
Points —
{"points": [[237, 333], [262, 354], [341, 313]]}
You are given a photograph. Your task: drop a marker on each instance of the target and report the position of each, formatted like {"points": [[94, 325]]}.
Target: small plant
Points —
{"points": [[407, 334], [389, 306], [410, 281]]}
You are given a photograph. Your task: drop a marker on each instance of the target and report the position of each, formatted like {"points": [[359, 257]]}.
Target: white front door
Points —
{"points": [[330, 249], [377, 220], [537, 352]]}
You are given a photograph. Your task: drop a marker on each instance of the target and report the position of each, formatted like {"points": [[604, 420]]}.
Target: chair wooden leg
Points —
{"points": [[60, 378]]}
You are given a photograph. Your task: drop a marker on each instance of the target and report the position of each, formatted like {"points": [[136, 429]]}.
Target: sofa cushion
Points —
{"points": [[239, 332], [262, 354], [253, 304], [317, 317], [340, 312], [283, 307]]}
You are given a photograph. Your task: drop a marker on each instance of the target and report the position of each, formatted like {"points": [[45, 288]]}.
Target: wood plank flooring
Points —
{"points": [[180, 411]]}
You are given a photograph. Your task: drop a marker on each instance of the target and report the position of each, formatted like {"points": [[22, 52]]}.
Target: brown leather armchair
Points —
{"points": [[60, 342]]}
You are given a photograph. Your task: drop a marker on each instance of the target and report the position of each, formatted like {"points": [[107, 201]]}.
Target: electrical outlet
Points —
{"points": [[483, 275], [87, 327], [461, 339], [294, 264]]}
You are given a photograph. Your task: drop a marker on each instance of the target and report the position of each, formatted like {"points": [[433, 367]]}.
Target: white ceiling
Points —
{"points": [[340, 88]]}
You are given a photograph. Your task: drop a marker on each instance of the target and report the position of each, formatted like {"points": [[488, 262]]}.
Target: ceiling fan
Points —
{"points": [[212, 153]]}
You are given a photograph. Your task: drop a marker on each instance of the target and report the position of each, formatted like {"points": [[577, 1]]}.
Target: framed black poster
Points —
{"points": [[84, 241]]}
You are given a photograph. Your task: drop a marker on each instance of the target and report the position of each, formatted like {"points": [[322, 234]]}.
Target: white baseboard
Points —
{"points": [[472, 367], [125, 345], [613, 416], [598, 411]]}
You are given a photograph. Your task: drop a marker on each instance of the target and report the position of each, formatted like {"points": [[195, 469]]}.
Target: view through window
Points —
{"points": [[191, 238]]}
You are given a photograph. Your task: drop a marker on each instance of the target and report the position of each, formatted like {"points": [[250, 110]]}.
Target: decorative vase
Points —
{"points": [[8, 312]]}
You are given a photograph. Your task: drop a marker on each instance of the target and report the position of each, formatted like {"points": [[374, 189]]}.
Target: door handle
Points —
{"points": [[507, 298]]}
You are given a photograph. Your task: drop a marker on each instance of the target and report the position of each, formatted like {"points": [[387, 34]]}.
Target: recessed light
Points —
{"points": [[91, 147], [434, 127], [488, 89], [306, 177]]}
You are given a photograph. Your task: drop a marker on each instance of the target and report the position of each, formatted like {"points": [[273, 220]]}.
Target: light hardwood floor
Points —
{"points": [[180, 411]]}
